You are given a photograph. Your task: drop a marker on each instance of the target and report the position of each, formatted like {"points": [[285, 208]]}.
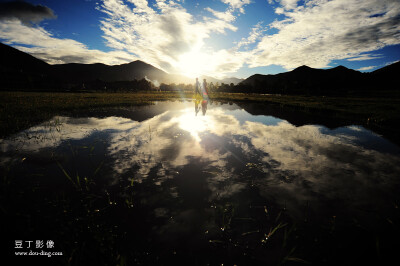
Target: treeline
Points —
{"points": [[211, 87], [44, 82], [146, 85], [135, 85], [303, 87], [366, 85], [33, 82], [303, 81], [113, 86], [176, 87]]}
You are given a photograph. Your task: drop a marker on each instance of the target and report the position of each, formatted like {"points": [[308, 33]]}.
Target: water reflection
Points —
{"points": [[202, 104], [225, 154], [296, 163]]}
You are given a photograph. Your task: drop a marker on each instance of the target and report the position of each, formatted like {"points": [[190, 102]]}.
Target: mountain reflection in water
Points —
{"points": [[189, 163]]}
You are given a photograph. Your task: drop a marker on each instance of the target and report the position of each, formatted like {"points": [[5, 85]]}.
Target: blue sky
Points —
{"points": [[215, 37]]}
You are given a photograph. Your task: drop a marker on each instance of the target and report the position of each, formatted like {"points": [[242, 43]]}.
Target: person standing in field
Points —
{"points": [[204, 90], [197, 96], [197, 87], [204, 94]]}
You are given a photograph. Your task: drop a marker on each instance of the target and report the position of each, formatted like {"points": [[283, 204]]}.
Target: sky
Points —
{"points": [[219, 38]]}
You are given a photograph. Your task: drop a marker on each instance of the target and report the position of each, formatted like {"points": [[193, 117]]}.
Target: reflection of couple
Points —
{"points": [[201, 96]]}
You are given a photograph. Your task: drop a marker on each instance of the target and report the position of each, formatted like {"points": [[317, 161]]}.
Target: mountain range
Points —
{"points": [[334, 81], [17, 66], [19, 70]]}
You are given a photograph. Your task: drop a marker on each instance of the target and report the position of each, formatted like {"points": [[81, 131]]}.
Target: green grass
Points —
{"points": [[374, 108], [19, 110]]}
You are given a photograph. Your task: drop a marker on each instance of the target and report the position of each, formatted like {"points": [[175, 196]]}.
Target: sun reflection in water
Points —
{"points": [[194, 124]]}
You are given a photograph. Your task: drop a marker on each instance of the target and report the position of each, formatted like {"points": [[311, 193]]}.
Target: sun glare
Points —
{"points": [[193, 64], [194, 124]]}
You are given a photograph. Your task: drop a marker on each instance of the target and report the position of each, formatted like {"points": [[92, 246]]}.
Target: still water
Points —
{"points": [[166, 184]]}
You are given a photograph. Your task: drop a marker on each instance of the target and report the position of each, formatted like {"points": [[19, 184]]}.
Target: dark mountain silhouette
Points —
{"points": [[14, 59], [19, 70], [392, 69], [125, 72], [386, 77], [335, 81], [307, 80]]}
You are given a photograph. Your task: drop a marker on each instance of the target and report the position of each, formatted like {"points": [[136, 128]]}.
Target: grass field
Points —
{"points": [[19, 110]]}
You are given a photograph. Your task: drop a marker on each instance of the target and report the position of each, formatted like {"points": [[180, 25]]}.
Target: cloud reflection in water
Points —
{"points": [[289, 165]]}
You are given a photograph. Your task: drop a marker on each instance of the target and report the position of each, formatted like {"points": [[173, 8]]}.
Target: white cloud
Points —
{"points": [[54, 50], [289, 4], [286, 4], [366, 68], [166, 35], [255, 35], [279, 10], [322, 31], [392, 62], [365, 57], [237, 4], [226, 16], [378, 66]]}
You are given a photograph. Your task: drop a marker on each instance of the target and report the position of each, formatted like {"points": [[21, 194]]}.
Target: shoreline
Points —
{"points": [[20, 110]]}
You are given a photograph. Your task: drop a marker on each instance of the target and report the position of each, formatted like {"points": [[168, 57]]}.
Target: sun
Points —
{"points": [[193, 64]]}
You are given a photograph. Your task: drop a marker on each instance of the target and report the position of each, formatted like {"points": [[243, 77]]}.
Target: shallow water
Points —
{"points": [[164, 184]]}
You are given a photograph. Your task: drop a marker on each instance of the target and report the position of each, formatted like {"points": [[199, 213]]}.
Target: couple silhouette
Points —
{"points": [[201, 96]]}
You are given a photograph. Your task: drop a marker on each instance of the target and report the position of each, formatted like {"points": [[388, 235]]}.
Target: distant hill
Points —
{"points": [[306, 80], [19, 69], [335, 81], [220, 81], [392, 69], [387, 76], [14, 59], [233, 80], [124, 72]]}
